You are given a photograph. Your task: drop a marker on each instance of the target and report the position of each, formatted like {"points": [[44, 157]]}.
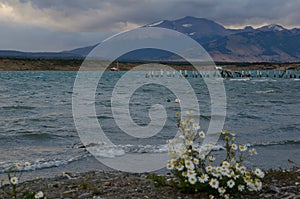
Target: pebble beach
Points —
{"points": [[114, 184]]}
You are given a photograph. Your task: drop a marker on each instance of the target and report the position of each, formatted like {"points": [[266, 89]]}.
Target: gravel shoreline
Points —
{"points": [[114, 184]]}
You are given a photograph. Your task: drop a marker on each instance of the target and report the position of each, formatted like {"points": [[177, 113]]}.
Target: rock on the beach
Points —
{"points": [[85, 195]]}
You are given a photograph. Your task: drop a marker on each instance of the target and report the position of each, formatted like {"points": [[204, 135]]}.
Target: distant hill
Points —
{"points": [[83, 52], [271, 43], [40, 55]]}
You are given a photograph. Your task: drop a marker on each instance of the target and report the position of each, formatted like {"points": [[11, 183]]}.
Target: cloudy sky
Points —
{"points": [[55, 25]]}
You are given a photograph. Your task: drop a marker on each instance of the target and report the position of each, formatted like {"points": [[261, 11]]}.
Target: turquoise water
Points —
{"points": [[36, 122]]}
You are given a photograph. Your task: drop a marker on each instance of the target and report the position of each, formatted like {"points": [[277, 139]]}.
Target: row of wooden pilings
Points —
{"points": [[288, 74]]}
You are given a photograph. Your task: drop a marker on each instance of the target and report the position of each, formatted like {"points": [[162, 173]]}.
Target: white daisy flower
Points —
{"points": [[202, 134], [191, 173], [258, 184], [18, 165], [234, 147], [27, 164], [170, 166], [39, 195], [196, 161], [192, 179], [221, 191], [209, 169], [179, 167], [14, 180], [211, 158], [215, 173], [238, 166], [243, 148], [243, 169], [173, 161], [202, 156], [251, 186], [259, 173], [230, 183], [247, 179], [225, 172], [234, 176], [224, 132], [241, 187], [203, 178], [214, 183], [196, 126], [247, 174], [189, 164], [225, 164]]}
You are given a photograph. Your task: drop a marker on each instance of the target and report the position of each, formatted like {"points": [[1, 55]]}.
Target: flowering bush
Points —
{"points": [[194, 167], [12, 189]]}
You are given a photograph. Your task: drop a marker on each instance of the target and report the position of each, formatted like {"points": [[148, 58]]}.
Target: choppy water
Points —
{"points": [[36, 122]]}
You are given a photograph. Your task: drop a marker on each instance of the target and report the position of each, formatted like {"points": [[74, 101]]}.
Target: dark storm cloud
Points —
{"points": [[37, 39], [108, 15], [38, 19], [117, 14], [257, 12]]}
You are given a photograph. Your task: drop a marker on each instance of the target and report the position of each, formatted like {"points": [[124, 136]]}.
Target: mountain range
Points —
{"points": [[271, 43]]}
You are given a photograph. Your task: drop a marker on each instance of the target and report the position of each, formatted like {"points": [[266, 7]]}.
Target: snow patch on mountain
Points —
{"points": [[156, 23], [272, 27], [187, 25]]}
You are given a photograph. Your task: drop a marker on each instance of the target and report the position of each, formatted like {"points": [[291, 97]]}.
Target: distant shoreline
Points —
{"points": [[23, 64]]}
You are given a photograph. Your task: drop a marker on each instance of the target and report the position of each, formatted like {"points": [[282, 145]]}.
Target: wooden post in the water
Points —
{"points": [[186, 73], [147, 74]]}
